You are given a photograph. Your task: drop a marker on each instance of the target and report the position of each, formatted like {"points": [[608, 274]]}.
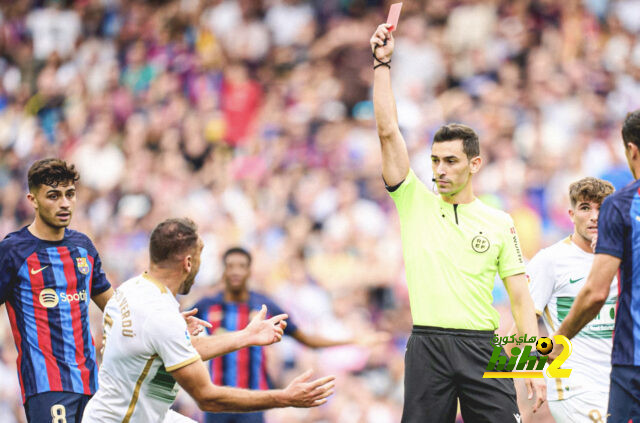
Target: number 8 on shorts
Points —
{"points": [[58, 414]]}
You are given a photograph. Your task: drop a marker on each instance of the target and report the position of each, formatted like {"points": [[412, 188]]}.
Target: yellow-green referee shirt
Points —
{"points": [[451, 256]]}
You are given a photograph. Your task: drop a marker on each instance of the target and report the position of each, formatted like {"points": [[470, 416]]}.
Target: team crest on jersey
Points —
{"points": [[83, 265], [480, 243]]}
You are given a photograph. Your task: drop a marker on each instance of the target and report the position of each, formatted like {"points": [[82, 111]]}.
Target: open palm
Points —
{"points": [[266, 331]]}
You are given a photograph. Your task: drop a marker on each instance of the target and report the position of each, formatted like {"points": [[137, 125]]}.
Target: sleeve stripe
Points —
{"points": [[183, 364]]}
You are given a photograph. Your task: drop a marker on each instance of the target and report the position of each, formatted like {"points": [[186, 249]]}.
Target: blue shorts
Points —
{"points": [[624, 395], [234, 417], [56, 407]]}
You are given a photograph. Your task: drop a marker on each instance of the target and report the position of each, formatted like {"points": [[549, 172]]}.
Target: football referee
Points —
{"points": [[453, 246]]}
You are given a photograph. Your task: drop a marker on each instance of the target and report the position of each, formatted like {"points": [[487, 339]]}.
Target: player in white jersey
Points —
{"points": [[148, 348], [557, 274]]}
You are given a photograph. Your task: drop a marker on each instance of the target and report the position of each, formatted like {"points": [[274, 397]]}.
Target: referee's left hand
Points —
{"points": [[539, 387]]}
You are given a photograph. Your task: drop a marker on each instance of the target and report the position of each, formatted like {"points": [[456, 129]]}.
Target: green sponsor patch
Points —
{"points": [[163, 386], [600, 327]]}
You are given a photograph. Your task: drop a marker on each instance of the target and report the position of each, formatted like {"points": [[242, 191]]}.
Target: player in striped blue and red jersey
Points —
{"points": [[48, 273], [231, 310], [617, 251]]}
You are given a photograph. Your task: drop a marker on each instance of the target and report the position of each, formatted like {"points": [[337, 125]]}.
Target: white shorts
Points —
{"points": [[589, 407], [173, 417]]}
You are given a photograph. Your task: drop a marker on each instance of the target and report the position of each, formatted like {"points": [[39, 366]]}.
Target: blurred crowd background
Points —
{"points": [[254, 118]]}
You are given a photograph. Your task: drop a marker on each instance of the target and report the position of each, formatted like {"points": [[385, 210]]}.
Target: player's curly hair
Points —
{"points": [[51, 172], [172, 239], [589, 189]]}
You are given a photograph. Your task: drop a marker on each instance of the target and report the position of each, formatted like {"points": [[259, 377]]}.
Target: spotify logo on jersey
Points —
{"points": [[48, 298]]}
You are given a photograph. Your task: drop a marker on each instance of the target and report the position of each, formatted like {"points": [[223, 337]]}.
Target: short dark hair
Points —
{"points": [[172, 239], [236, 250], [631, 129], [589, 189], [458, 131], [51, 172]]}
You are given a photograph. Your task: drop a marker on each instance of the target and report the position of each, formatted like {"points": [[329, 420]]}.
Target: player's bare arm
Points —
{"points": [[365, 340], [301, 392], [591, 297], [103, 298], [259, 332], [395, 158]]}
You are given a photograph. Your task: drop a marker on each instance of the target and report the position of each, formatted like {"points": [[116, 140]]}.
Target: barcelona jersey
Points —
{"points": [[619, 236], [47, 286], [245, 368]]}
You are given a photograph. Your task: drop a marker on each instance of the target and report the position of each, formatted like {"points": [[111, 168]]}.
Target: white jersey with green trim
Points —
{"points": [[146, 338], [557, 274]]}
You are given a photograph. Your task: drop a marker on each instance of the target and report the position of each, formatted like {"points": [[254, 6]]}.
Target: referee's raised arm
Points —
{"points": [[395, 158]]}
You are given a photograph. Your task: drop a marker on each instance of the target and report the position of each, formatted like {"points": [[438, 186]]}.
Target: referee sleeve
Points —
{"points": [[404, 193], [510, 261]]}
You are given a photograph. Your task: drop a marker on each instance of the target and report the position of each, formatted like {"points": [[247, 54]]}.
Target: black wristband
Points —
{"points": [[380, 62]]}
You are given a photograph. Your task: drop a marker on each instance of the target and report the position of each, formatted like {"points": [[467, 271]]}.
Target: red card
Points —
{"points": [[394, 15]]}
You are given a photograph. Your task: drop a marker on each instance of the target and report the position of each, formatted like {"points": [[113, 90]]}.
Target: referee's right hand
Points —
{"points": [[539, 388], [382, 51]]}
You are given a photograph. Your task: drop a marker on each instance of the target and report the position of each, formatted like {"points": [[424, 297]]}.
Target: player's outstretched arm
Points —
{"points": [[395, 158], [366, 340], [591, 297], [302, 392], [259, 331]]}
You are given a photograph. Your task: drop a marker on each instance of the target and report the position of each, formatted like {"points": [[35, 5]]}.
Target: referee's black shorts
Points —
{"points": [[443, 365]]}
